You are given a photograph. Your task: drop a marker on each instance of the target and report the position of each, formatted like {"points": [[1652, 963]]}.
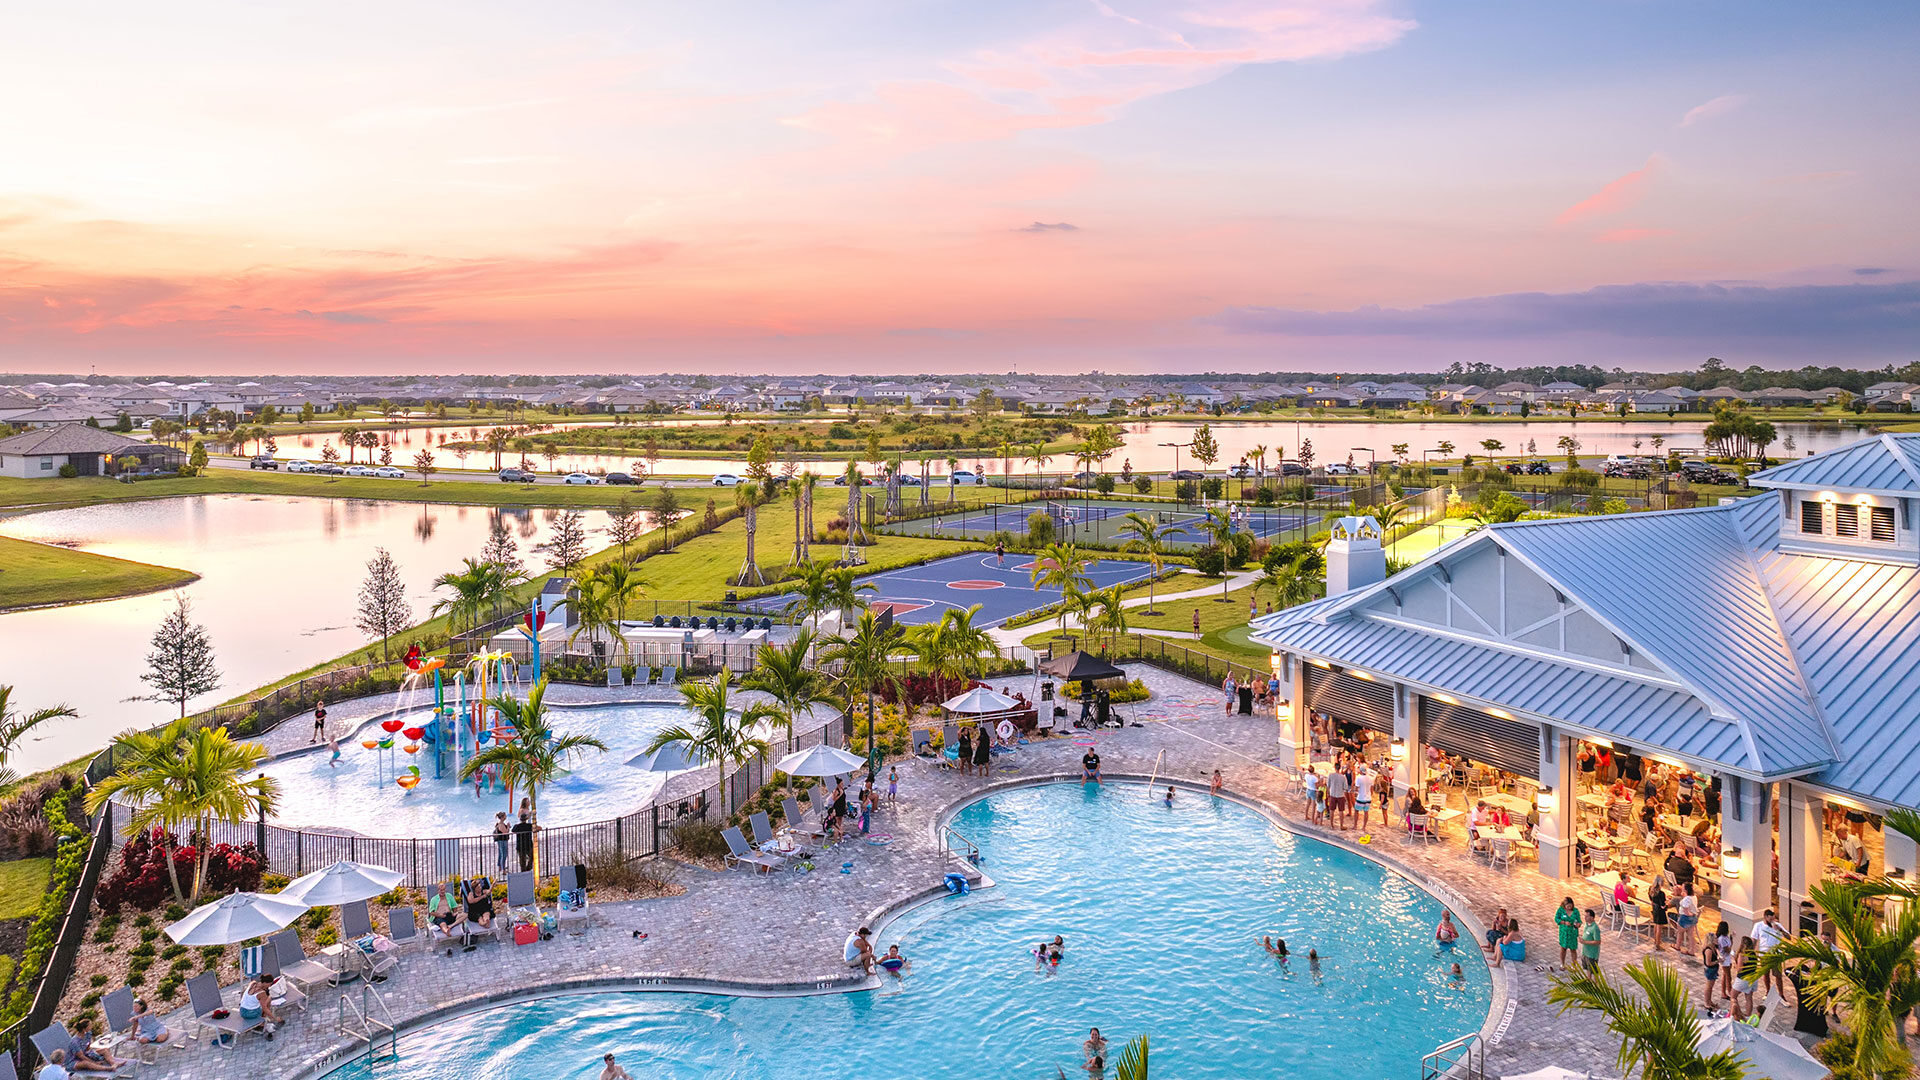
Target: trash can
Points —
{"points": [[1246, 700]]}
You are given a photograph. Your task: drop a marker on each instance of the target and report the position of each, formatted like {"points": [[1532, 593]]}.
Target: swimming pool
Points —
{"points": [[359, 794], [1162, 911]]}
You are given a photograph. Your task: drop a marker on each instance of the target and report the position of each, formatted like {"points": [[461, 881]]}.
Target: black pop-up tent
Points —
{"points": [[1086, 669]]}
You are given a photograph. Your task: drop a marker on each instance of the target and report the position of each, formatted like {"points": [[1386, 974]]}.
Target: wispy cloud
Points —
{"points": [[1870, 271], [1708, 110], [1629, 236], [1619, 194], [1050, 226]]}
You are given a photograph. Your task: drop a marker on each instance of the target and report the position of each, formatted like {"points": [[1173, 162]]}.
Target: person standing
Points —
{"points": [[502, 835], [982, 753], [1766, 937], [319, 721], [1227, 684], [1567, 918], [965, 756], [1336, 797], [523, 839], [1590, 942]]}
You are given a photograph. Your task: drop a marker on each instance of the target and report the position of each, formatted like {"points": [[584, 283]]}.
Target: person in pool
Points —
{"points": [[1313, 963], [1275, 946], [333, 744], [1456, 979], [1096, 1043], [1446, 934], [612, 1071], [1090, 766], [894, 962], [1169, 798]]}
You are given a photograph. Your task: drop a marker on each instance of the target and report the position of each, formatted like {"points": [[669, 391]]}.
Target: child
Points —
{"points": [[894, 962], [333, 744], [893, 784]]}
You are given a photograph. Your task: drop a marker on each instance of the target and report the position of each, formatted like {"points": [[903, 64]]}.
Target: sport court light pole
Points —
{"points": [[1176, 461]]}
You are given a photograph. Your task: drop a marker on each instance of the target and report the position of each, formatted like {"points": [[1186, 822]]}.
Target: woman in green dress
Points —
{"points": [[1567, 918]]}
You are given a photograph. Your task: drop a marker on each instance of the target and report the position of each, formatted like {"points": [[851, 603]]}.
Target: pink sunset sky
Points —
{"points": [[933, 186]]}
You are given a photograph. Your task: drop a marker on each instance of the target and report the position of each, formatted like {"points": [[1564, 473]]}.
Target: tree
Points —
{"points": [[350, 438], [623, 524], [1060, 566], [952, 646], [536, 755], [1658, 1030], [1306, 453], [328, 454], [383, 610], [984, 404], [1295, 579], [747, 499], [666, 509], [718, 736], [423, 464], [180, 666], [186, 775], [197, 459], [786, 674], [863, 662], [1112, 619], [473, 592], [501, 548], [566, 548], [1148, 537], [386, 453], [14, 725], [1205, 448], [1445, 447], [1132, 1062], [1492, 446], [1569, 446], [1869, 972], [1037, 457], [760, 458], [497, 440]]}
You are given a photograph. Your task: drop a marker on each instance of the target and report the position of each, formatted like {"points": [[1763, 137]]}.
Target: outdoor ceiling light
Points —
{"points": [[1273, 661], [1731, 863]]}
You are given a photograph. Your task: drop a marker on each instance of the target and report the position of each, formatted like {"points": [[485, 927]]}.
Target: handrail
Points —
{"points": [[1466, 1053], [370, 1028], [948, 834], [1152, 779]]}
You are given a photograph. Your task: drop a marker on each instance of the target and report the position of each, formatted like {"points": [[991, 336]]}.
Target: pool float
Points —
{"points": [[1366, 838], [878, 840], [893, 963], [956, 884]]}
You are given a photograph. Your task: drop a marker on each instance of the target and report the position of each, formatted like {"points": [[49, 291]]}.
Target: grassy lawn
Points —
{"points": [[1223, 626], [22, 883], [88, 491], [32, 574]]}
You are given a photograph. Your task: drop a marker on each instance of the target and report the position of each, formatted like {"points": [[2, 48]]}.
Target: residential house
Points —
{"points": [[44, 452]]}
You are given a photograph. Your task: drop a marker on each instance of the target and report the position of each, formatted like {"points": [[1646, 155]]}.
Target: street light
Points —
{"points": [[1373, 460], [1176, 459]]}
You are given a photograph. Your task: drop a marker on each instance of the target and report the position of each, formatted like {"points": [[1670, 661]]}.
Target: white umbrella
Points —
{"points": [[819, 760], [980, 700], [1552, 1072], [234, 918], [341, 883], [671, 758], [1773, 1057]]}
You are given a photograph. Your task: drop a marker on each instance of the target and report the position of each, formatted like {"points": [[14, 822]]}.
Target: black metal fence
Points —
{"points": [[51, 983]]}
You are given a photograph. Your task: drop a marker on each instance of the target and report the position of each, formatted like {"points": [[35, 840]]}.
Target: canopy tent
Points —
{"points": [[1081, 666]]}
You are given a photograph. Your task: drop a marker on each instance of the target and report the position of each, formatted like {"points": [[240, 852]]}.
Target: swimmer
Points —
{"points": [[1313, 963], [613, 1071], [1059, 944], [1169, 799], [1096, 1043], [1456, 979], [1276, 946], [894, 962]]}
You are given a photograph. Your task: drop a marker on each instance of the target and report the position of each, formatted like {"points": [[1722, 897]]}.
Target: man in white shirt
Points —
{"points": [[859, 951], [55, 1068], [1767, 934]]}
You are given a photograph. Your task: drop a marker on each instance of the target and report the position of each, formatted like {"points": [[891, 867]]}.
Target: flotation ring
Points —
{"points": [[956, 884], [892, 963], [879, 840]]}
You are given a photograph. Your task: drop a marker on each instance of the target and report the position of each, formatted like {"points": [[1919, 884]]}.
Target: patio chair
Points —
{"points": [[764, 840], [797, 821], [613, 676], [294, 964], [1602, 858], [643, 676], [118, 1009], [203, 997], [668, 675], [923, 742], [738, 851], [522, 902], [1633, 922], [1501, 854], [1417, 828], [403, 930], [573, 902]]}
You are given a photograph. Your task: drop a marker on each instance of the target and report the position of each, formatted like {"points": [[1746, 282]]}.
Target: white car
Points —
{"points": [[962, 476], [1342, 469], [390, 472], [299, 466], [725, 479], [358, 470], [580, 478]]}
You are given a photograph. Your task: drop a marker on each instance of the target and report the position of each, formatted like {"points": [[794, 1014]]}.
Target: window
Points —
{"points": [[1846, 519], [46, 464], [1880, 525], [1810, 519]]}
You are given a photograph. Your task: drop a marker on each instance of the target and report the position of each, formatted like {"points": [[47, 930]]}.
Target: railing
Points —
{"points": [[1467, 1054], [369, 1027], [52, 983], [951, 841]]}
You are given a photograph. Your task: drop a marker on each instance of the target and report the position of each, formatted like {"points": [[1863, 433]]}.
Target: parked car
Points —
{"points": [[1186, 474], [1514, 468], [842, 480], [1539, 468], [264, 461], [328, 468], [359, 470], [1341, 468], [1702, 472], [620, 478], [580, 478], [1292, 468], [963, 476], [725, 479], [909, 481], [298, 465], [1630, 470], [1242, 470], [515, 476], [1085, 477], [390, 472]]}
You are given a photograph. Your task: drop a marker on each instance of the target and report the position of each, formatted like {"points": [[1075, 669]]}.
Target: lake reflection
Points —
{"points": [[279, 578]]}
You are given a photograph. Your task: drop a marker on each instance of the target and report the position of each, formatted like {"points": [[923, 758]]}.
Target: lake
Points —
{"points": [[279, 582]]}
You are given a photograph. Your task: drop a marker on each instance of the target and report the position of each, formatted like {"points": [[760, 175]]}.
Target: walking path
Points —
{"points": [[786, 929], [1007, 637]]}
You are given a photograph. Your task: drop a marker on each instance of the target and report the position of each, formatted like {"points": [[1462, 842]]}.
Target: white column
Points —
{"points": [[1746, 826], [1292, 712], [1410, 772], [1555, 834], [1803, 849]]}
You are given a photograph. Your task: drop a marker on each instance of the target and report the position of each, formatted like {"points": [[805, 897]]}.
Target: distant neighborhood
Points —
{"points": [[26, 403]]}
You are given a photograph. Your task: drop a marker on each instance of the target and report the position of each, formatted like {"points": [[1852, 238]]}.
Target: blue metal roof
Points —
{"points": [[1887, 464]]}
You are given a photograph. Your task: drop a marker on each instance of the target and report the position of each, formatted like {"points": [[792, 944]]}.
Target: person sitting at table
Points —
{"points": [[1499, 818], [1620, 801], [1680, 866], [1622, 890], [1414, 805], [1650, 815], [81, 1056]]}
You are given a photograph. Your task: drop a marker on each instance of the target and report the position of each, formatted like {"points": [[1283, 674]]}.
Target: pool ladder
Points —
{"points": [[954, 845], [1464, 1058], [1157, 759], [359, 1022]]}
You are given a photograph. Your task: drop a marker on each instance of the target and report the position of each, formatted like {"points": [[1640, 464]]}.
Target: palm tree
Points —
{"points": [[960, 643], [786, 674], [1081, 604], [1219, 526], [1113, 614], [1869, 971], [1061, 566], [1037, 457], [12, 727], [812, 592], [718, 735], [1658, 1031], [1132, 1062], [1293, 581], [864, 667], [474, 589], [183, 775], [537, 754], [601, 606], [844, 588], [1149, 538]]}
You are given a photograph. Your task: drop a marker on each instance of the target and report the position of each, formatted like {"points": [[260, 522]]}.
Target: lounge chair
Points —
{"points": [[523, 906], [668, 675], [203, 996], [294, 964], [798, 823], [403, 930], [613, 676], [923, 742], [264, 961], [118, 1009], [739, 851], [356, 926], [569, 877], [764, 840], [7, 1071], [643, 676]]}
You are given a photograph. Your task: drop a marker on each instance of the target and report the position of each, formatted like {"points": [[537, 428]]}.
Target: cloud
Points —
{"points": [[1870, 271], [1709, 110], [1619, 194], [348, 318], [1050, 226], [1841, 315], [1628, 236]]}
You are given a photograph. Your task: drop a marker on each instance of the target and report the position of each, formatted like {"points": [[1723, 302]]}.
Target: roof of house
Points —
{"points": [[68, 439], [1884, 465], [1765, 661]]}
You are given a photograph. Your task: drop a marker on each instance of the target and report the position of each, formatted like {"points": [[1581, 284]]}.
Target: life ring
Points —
{"points": [[956, 884], [879, 840]]}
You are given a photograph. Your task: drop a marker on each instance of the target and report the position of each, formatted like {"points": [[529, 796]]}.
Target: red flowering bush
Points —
{"points": [[141, 881], [924, 689]]}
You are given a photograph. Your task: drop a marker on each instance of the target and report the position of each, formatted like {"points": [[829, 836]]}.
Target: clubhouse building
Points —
{"points": [[1763, 655]]}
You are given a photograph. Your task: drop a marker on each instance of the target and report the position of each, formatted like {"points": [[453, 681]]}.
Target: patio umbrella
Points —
{"points": [[1773, 1057], [671, 758], [1081, 666], [234, 918], [341, 883], [1553, 1072], [819, 761], [980, 700]]}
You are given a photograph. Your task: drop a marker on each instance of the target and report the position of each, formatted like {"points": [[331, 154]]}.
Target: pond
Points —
{"points": [[279, 579]]}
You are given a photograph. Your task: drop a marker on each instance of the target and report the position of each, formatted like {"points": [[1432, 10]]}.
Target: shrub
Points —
{"points": [[701, 840], [1241, 550], [141, 879], [1210, 561], [1039, 529], [1143, 484], [1122, 694], [328, 935], [97, 980], [1104, 484], [172, 951], [1213, 487], [1184, 491], [1263, 495], [68, 472]]}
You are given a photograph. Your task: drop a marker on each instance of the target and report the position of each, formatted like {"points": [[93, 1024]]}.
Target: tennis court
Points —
{"points": [[1104, 521], [1002, 587]]}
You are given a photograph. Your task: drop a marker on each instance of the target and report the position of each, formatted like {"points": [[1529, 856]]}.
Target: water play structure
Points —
{"points": [[459, 725]]}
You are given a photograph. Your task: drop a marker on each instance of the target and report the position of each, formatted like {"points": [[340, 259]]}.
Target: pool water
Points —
{"points": [[360, 795], [1162, 910]]}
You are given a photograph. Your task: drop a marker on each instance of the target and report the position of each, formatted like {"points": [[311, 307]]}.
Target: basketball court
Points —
{"points": [[1002, 587]]}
